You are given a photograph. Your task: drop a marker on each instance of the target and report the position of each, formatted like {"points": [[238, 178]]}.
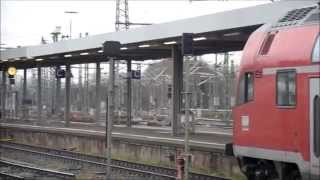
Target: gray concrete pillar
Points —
{"points": [[177, 89], [17, 107], [226, 95], [86, 91], [10, 99], [98, 97], [68, 87], [58, 95], [39, 99], [80, 94], [129, 94], [52, 94], [24, 95], [139, 93], [4, 92]]}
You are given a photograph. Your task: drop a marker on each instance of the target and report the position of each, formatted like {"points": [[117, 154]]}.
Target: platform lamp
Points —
{"points": [[111, 50], [12, 71]]}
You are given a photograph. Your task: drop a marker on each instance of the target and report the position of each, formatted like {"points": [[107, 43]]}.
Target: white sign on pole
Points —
{"points": [[216, 101]]}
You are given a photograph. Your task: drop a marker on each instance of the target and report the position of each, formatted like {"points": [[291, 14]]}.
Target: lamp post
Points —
{"points": [[70, 22], [111, 50], [187, 52]]}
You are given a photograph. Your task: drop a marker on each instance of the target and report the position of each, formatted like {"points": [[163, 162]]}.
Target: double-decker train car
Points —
{"points": [[277, 116]]}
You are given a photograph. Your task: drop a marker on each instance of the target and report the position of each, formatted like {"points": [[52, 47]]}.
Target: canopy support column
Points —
{"points": [[98, 86], [39, 98], [129, 94], [177, 89], [68, 88]]}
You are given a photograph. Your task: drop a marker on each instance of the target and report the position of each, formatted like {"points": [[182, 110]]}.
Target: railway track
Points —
{"points": [[7, 176], [129, 168], [19, 168]]}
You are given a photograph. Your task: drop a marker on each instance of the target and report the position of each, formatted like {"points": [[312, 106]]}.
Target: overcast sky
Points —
{"points": [[24, 22]]}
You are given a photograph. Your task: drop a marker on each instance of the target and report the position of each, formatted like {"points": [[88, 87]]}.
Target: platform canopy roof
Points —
{"points": [[219, 32]]}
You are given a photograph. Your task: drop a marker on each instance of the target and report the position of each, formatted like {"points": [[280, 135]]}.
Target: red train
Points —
{"points": [[277, 116]]}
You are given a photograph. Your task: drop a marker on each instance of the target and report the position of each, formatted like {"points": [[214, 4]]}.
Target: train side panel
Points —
{"points": [[263, 129]]}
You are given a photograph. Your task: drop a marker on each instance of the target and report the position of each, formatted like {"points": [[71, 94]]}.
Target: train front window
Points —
{"points": [[316, 51], [245, 88], [286, 88], [267, 43]]}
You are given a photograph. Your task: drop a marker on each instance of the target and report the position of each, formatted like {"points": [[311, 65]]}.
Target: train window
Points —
{"points": [[245, 88], [241, 91], [249, 87], [316, 51], [267, 44], [286, 88]]}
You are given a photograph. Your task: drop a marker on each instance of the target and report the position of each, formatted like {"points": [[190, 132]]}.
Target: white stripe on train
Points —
{"points": [[299, 69]]}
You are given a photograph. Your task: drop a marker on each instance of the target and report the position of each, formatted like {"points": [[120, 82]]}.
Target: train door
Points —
{"points": [[315, 128]]}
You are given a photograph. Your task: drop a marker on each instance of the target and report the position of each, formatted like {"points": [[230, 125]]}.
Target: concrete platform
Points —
{"points": [[209, 140], [146, 145]]}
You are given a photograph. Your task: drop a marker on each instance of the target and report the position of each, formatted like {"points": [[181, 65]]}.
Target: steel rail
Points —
{"points": [[36, 170], [99, 159], [142, 169], [7, 176], [131, 172]]}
